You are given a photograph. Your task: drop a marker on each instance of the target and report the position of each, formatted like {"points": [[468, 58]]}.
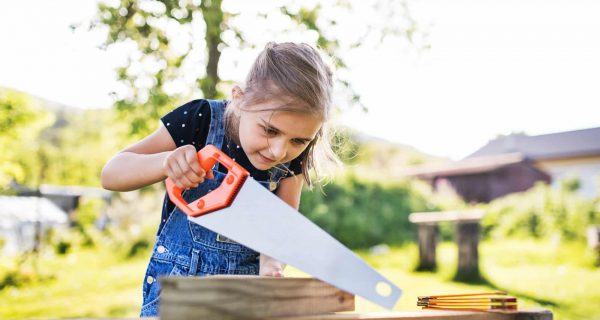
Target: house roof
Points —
{"points": [[49, 189], [15, 209], [466, 166], [559, 145]]}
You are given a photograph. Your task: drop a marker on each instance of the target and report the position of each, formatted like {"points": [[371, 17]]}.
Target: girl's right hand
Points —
{"points": [[183, 167]]}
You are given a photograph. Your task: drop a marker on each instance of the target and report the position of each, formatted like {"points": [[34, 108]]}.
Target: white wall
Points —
{"points": [[586, 170]]}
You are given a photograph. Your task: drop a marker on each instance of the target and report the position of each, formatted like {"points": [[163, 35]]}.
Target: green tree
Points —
{"points": [[21, 121], [74, 152], [41, 143], [171, 39]]}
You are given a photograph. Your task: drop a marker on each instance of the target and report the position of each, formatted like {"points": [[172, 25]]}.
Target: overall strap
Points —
{"points": [[216, 131], [279, 171]]}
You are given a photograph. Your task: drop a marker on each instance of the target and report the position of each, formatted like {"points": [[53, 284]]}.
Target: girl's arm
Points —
{"points": [[140, 164], [289, 191], [151, 160]]}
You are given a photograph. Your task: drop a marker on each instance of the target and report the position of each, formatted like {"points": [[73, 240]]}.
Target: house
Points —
{"points": [[24, 219], [67, 198], [516, 162]]}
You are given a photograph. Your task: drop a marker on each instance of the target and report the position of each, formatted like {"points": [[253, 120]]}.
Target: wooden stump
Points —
{"points": [[428, 235], [248, 297], [467, 240], [593, 238]]}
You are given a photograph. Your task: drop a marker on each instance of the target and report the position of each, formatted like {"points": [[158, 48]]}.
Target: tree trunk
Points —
{"points": [[213, 17]]}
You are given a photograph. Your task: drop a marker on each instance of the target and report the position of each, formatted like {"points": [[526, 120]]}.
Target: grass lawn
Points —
{"points": [[101, 283], [559, 278], [88, 283]]}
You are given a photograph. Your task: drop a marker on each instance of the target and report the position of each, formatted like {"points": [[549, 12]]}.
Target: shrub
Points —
{"points": [[62, 247], [139, 246], [361, 214], [541, 212]]}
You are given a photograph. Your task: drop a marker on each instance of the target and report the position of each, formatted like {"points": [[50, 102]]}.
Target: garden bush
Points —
{"points": [[362, 213], [541, 212]]}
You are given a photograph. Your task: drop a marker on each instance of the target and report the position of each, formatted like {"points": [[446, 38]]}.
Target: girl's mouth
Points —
{"points": [[265, 159]]}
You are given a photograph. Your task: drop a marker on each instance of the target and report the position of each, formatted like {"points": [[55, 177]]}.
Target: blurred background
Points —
{"points": [[449, 108]]}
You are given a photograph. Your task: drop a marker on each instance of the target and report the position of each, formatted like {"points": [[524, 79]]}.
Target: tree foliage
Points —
{"points": [[541, 212], [56, 145], [21, 122], [177, 45], [74, 152]]}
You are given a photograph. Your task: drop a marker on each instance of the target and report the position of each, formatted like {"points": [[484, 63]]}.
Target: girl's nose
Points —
{"points": [[278, 149]]}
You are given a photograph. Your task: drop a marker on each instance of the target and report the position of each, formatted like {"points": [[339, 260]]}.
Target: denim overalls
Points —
{"points": [[186, 248]]}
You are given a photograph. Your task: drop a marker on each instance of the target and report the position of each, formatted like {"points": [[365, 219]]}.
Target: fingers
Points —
{"points": [[183, 168], [195, 172], [277, 273], [176, 173], [209, 175], [270, 267], [189, 171]]}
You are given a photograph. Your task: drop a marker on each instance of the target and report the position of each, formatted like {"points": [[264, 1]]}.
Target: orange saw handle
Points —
{"points": [[219, 198]]}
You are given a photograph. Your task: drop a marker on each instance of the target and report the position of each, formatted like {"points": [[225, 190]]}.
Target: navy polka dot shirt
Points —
{"points": [[189, 124]]}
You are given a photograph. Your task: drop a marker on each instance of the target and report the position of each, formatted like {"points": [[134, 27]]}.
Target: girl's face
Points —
{"points": [[272, 137]]}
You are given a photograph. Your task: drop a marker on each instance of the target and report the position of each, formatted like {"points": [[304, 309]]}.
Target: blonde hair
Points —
{"points": [[297, 71]]}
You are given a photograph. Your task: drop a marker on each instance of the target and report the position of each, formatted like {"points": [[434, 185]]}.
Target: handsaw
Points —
{"points": [[241, 209]]}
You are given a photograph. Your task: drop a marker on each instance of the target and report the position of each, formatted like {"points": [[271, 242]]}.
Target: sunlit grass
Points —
{"points": [[561, 278], [88, 283], [100, 282], [542, 275]]}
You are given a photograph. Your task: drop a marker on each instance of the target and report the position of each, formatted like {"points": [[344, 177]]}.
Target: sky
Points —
{"points": [[494, 67]]}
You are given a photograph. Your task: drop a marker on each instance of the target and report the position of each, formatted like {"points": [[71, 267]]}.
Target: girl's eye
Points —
{"points": [[299, 142], [270, 131]]}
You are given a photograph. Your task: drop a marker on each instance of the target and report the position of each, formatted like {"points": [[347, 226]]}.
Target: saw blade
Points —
{"points": [[259, 220]]}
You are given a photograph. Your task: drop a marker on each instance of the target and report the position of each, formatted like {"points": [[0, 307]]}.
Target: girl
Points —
{"points": [[273, 127]]}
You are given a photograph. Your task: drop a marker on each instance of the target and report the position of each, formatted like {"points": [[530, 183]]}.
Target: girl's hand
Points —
{"points": [[182, 166], [270, 267]]}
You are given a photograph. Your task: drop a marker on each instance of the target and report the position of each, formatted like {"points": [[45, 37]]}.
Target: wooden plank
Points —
{"points": [[238, 297], [432, 315], [414, 315], [593, 237], [440, 216], [467, 239]]}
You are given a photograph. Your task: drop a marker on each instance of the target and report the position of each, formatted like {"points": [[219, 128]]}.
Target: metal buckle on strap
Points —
{"points": [[221, 238], [272, 185]]}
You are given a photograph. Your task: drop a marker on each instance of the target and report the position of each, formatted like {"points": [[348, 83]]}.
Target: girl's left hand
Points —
{"points": [[270, 267]]}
